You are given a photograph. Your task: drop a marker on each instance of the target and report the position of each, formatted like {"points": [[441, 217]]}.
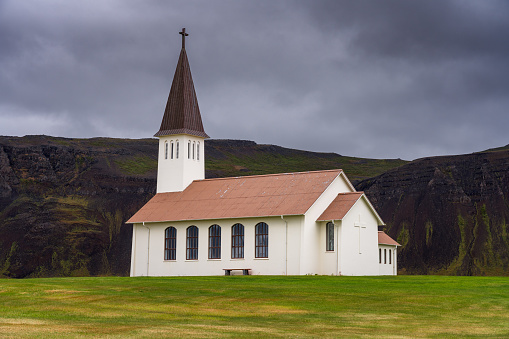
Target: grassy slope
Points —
{"points": [[257, 159], [254, 306]]}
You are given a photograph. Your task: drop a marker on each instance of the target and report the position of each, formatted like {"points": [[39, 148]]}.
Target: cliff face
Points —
{"points": [[64, 202], [449, 213]]}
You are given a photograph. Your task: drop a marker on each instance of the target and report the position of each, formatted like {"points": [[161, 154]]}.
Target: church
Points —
{"points": [[276, 224]]}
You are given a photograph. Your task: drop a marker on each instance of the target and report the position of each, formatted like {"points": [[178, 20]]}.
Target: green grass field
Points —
{"points": [[256, 306]]}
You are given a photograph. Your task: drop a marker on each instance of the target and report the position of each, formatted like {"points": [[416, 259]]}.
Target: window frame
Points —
{"points": [[237, 241], [170, 243], [192, 233], [166, 150], [329, 236], [215, 242], [262, 240]]}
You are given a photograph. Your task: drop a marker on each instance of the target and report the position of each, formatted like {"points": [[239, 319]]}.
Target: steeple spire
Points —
{"points": [[182, 114]]}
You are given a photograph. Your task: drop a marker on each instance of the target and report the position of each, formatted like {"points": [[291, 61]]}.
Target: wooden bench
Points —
{"points": [[245, 271]]}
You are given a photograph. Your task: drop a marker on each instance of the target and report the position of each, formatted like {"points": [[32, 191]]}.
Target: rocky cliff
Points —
{"points": [[64, 202], [449, 213]]}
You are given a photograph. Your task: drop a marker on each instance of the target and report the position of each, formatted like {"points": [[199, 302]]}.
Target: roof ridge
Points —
{"points": [[339, 170]]}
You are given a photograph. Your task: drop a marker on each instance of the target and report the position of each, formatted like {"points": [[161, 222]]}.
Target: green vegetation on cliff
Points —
{"points": [[64, 202], [449, 213]]}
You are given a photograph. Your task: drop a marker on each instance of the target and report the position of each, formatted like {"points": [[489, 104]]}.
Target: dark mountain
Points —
{"points": [[449, 213], [64, 202]]}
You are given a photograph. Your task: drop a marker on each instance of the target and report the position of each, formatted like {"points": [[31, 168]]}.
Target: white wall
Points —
{"points": [[312, 232], [387, 267], [139, 251], [174, 175], [359, 257], [277, 263]]}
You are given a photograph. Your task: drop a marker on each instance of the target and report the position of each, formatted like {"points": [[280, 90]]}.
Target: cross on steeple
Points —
{"points": [[184, 34]]}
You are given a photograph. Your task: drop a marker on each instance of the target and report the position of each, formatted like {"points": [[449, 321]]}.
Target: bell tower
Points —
{"points": [[181, 157]]}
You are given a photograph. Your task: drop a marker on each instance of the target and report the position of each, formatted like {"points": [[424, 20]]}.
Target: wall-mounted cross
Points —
{"points": [[184, 34], [360, 226]]}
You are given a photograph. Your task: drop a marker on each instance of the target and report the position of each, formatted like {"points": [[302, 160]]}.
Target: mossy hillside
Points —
{"points": [[65, 236], [83, 191], [137, 165], [257, 159], [454, 209]]}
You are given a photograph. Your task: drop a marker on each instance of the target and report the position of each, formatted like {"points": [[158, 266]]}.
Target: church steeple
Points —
{"points": [[182, 114], [181, 135]]}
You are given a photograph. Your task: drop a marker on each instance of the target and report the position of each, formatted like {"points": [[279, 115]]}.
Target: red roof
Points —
{"points": [[340, 206], [250, 196], [182, 114], [384, 239]]}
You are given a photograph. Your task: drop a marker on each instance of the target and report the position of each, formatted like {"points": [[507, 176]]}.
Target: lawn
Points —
{"points": [[256, 306]]}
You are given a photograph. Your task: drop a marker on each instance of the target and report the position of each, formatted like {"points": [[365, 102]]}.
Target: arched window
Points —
{"points": [[172, 150], [237, 241], [177, 149], [261, 240], [192, 243], [330, 236], [189, 149], [215, 242], [166, 149], [170, 243], [380, 255], [385, 256], [194, 147], [198, 151], [390, 256]]}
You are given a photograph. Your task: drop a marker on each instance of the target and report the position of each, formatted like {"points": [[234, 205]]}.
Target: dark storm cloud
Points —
{"points": [[375, 79]]}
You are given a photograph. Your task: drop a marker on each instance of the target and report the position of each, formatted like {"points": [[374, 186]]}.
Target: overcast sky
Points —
{"points": [[376, 79]]}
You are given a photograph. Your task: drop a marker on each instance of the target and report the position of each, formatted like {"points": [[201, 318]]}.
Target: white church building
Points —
{"points": [[276, 224]]}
